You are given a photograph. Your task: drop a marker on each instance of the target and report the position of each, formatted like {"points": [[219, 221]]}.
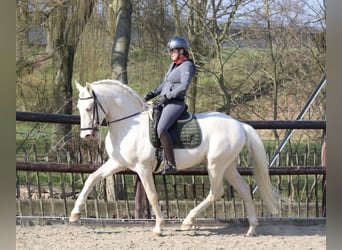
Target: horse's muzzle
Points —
{"points": [[91, 133]]}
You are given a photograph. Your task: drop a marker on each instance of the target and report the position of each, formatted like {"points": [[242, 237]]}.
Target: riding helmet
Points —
{"points": [[177, 42]]}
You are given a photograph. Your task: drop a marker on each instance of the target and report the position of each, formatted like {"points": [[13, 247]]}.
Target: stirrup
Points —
{"points": [[169, 169]]}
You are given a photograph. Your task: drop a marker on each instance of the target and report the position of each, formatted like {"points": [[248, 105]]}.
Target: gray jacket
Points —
{"points": [[177, 80]]}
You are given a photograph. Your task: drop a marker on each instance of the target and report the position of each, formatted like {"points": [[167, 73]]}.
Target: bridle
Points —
{"points": [[96, 112]]}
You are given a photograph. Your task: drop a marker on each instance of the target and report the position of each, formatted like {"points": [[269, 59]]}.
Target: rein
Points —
{"points": [[96, 112], [124, 118]]}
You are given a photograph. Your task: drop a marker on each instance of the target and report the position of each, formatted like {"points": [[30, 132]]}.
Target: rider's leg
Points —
{"points": [[166, 141], [171, 112], [156, 116]]}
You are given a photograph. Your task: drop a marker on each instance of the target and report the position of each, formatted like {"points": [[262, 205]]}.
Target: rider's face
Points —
{"points": [[174, 53]]}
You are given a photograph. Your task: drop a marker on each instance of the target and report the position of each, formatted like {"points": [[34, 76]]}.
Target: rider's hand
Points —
{"points": [[163, 100], [149, 96]]}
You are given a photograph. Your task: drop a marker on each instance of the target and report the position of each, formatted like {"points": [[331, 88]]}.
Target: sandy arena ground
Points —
{"points": [[139, 236]]}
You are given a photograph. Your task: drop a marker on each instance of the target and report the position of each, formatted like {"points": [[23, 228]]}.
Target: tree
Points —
{"points": [[22, 28], [218, 32], [287, 43], [176, 16], [122, 39], [196, 34], [67, 20]]}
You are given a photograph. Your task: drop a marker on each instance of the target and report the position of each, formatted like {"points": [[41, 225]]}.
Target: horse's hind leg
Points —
{"points": [[110, 167], [216, 192], [236, 180]]}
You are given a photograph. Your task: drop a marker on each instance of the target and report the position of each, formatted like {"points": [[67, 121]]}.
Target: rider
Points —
{"points": [[172, 90]]}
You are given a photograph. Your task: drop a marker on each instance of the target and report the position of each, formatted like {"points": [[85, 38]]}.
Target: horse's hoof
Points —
{"points": [[251, 232], [186, 226], [157, 232], [74, 217]]}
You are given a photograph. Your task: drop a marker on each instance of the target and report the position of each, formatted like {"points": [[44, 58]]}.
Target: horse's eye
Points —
{"points": [[89, 109]]}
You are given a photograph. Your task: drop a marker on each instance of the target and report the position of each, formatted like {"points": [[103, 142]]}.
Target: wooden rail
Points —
{"points": [[197, 170], [75, 119]]}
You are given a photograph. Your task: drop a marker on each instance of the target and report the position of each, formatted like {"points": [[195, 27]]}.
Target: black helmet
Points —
{"points": [[177, 42]]}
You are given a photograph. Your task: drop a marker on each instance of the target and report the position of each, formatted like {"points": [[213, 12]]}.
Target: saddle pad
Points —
{"points": [[185, 133]]}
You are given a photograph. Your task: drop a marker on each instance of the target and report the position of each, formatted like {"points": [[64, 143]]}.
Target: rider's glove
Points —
{"points": [[149, 96], [161, 102]]}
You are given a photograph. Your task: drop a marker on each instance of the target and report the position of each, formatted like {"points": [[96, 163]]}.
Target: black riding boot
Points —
{"points": [[156, 116], [157, 110], [170, 166]]}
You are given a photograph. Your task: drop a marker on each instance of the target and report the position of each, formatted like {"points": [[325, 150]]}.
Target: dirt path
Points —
{"points": [[139, 236]]}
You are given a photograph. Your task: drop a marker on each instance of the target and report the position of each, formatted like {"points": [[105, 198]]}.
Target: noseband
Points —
{"points": [[96, 112]]}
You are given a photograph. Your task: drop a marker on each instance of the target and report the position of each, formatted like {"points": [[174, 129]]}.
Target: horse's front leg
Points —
{"points": [[107, 169], [146, 178]]}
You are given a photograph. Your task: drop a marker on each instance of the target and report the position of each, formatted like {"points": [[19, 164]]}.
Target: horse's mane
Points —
{"points": [[121, 85]]}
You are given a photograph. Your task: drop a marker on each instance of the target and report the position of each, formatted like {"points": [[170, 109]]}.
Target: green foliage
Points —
{"points": [[32, 140], [139, 56]]}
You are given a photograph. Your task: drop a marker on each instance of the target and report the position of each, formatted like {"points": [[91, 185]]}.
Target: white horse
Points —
{"points": [[129, 147]]}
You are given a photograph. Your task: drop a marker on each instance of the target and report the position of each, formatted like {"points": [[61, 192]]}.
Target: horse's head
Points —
{"points": [[91, 112]]}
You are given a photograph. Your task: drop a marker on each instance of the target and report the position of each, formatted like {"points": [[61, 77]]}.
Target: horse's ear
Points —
{"points": [[78, 86], [88, 87]]}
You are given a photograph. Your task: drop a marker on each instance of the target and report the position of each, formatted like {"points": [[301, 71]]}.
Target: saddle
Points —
{"points": [[185, 133]]}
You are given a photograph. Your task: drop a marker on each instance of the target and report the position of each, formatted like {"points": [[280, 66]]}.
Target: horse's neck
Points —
{"points": [[120, 103], [120, 106]]}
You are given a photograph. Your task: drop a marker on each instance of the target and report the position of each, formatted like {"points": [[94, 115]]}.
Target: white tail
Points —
{"points": [[261, 172]]}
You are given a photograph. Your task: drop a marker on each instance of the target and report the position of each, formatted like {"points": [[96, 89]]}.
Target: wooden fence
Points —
{"points": [[49, 188]]}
